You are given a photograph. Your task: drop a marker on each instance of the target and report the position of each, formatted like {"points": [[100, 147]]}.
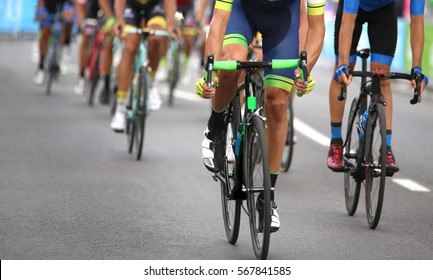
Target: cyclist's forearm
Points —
{"points": [[105, 7], [345, 38], [199, 14], [119, 8], [217, 30], [417, 39], [170, 10], [314, 39]]}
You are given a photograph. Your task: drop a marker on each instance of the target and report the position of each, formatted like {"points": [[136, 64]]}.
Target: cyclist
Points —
{"points": [[382, 31], [134, 12], [45, 13], [278, 22], [107, 7], [88, 14], [188, 30]]}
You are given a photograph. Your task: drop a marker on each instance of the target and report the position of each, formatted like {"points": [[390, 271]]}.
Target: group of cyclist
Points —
{"points": [[286, 26]]}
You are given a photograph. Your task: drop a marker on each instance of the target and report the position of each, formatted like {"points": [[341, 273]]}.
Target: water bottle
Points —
{"points": [[363, 124], [238, 139]]}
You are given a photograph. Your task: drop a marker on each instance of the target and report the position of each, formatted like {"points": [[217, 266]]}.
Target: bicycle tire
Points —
{"points": [[113, 101], [141, 111], [289, 144], [255, 140], [94, 78], [352, 184], [129, 115], [53, 68], [173, 75], [375, 164], [231, 207]]}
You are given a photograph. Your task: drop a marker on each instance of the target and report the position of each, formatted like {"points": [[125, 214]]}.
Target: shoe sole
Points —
{"points": [[118, 130], [337, 169]]}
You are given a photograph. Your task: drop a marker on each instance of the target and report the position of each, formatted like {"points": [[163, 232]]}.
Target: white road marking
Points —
{"points": [[311, 133], [410, 185]]}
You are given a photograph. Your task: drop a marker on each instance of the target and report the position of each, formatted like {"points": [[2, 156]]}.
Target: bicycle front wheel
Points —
{"points": [[94, 77], [173, 74], [352, 181], [258, 187], [130, 120], [141, 112], [231, 205], [375, 164], [289, 145]]}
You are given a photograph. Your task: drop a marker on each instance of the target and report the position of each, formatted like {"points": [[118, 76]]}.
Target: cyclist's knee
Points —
{"points": [[130, 48], [276, 102]]}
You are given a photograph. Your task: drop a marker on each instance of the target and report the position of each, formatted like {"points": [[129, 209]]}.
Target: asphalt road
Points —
{"points": [[70, 190]]}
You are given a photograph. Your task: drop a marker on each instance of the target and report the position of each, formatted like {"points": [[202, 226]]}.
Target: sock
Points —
{"points": [[388, 137], [336, 133], [274, 177], [216, 123], [41, 62], [82, 71], [107, 79], [121, 96]]}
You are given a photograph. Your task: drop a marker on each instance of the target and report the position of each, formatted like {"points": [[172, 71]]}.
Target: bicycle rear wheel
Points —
{"points": [[95, 75], [53, 65], [375, 164], [258, 187], [289, 145], [352, 183], [231, 207], [141, 112]]}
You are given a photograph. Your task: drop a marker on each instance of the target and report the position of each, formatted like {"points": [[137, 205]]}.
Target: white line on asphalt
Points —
{"points": [[182, 94], [311, 133], [411, 185]]}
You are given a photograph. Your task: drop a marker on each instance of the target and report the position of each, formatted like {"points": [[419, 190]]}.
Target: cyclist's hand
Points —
{"points": [[108, 25], [41, 13], [301, 86], [424, 82], [119, 26], [202, 90], [340, 75]]}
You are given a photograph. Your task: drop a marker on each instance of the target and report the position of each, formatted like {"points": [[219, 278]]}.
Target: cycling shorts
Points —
{"points": [[382, 32], [149, 14], [279, 29], [51, 6]]}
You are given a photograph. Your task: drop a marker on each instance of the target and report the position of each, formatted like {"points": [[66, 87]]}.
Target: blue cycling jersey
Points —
{"points": [[352, 6]]}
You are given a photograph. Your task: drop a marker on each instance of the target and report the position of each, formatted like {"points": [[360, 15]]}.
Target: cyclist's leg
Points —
{"points": [[238, 35], [69, 17], [88, 28], [189, 33], [382, 31], [125, 72], [156, 20], [45, 32], [336, 107]]}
